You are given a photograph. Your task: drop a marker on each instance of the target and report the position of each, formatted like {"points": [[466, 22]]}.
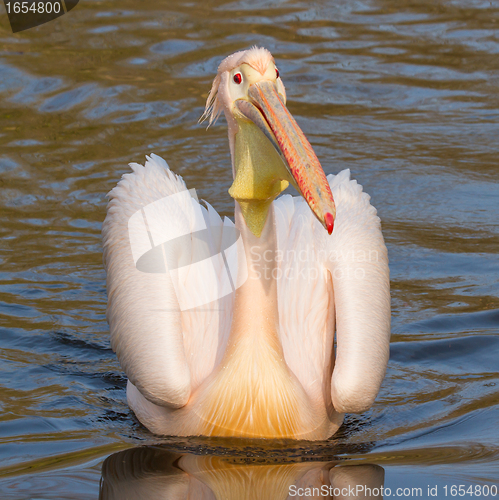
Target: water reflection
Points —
{"points": [[155, 472]]}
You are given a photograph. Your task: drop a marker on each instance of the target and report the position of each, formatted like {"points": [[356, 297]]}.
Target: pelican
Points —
{"points": [[228, 328]]}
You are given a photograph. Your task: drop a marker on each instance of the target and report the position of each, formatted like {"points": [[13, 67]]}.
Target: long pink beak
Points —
{"points": [[270, 114]]}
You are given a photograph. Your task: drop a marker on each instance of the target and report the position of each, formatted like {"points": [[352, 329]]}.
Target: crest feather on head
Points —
{"points": [[256, 57]]}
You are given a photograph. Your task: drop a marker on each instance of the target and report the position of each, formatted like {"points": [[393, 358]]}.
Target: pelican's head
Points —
{"points": [[268, 148]]}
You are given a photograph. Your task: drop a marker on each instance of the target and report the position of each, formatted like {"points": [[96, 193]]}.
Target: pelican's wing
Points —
{"points": [[355, 259], [358, 262], [166, 280], [306, 309]]}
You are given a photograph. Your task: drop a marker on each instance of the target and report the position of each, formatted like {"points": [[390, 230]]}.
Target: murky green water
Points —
{"points": [[405, 94]]}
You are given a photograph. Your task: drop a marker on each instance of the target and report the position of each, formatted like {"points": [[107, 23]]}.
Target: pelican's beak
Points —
{"points": [[267, 111]]}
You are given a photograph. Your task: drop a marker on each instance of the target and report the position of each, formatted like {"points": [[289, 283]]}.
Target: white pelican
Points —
{"points": [[244, 346]]}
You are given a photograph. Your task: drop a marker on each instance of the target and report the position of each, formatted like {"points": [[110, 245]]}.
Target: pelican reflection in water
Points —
{"points": [[155, 473]]}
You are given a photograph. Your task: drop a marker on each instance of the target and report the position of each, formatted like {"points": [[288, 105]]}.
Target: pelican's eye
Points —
{"points": [[238, 78], [276, 73]]}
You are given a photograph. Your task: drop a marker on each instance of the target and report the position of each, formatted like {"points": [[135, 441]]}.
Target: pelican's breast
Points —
{"points": [[253, 394]]}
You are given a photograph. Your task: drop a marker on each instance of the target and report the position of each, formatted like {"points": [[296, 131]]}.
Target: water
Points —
{"points": [[405, 94]]}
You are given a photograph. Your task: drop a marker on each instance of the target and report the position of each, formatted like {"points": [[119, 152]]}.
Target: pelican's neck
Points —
{"points": [[255, 308], [259, 175]]}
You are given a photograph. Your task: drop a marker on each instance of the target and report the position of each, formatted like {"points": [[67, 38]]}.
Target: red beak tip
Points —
{"points": [[329, 220]]}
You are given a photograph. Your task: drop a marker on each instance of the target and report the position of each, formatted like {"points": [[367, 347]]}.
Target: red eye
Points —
{"points": [[238, 78], [277, 73]]}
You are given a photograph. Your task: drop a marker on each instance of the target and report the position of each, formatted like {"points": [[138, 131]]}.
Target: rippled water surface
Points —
{"points": [[405, 94]]}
